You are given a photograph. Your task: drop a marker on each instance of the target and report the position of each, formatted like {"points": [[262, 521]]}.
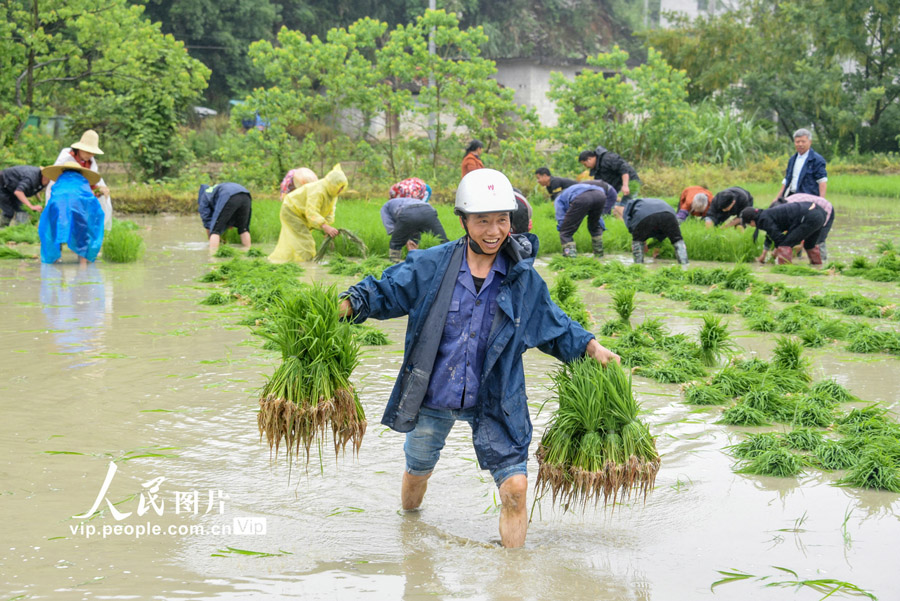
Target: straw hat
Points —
{"points": [[53, 172], [89, 142]]}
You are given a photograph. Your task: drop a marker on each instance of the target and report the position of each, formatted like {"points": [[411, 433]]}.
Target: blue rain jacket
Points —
{"points": [[526, 318], [73, 216], [211, 200]]}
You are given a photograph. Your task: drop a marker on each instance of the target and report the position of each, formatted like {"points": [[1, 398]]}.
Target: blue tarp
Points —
{"points": [[73, 216]]}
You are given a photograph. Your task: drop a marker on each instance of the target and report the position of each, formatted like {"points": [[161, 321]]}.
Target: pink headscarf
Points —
{"points": [[412, 187]]}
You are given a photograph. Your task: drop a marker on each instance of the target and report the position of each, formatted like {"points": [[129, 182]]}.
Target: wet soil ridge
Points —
{"points": [[310, 391], [595, 446]]}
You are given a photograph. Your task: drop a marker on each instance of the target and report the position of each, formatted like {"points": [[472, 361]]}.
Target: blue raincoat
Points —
{"points": [[73, 216], [526, 318]]}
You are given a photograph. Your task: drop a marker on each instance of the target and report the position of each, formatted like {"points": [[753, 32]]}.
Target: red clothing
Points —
{"points": [[687, 197], [471, 162]]}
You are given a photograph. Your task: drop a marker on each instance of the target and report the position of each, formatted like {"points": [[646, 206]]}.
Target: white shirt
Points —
{"points": [[798, 167]]}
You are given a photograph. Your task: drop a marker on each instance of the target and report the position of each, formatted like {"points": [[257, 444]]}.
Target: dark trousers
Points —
{"points": [[412, 221], [659, 226], [826, 229], [588, 204], [9, 204], [808, 230], [235, 213]]}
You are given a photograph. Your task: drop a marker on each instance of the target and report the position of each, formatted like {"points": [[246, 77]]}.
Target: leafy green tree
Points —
{"points": [[105, 67]]}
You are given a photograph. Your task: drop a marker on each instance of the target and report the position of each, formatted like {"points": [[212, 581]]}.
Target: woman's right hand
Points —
{"points": [[330, 231]]}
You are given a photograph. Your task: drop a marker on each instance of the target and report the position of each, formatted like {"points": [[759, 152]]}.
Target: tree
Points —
{"points": [[106, 67]]}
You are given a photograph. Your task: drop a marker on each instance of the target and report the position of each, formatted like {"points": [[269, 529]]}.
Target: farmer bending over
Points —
{"points": [[475, 305], [223, 206], [407, 215], [648, 218], [788, 225], [590, 199]]}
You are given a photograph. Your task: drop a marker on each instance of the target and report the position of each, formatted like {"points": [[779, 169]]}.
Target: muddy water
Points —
{"points": [[121, 361]]}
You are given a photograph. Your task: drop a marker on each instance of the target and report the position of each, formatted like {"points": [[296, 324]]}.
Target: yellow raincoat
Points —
{"points": [[309, 207]]}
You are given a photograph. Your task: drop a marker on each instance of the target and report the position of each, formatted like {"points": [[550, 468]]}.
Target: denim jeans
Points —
{"points": [[423, 445]]}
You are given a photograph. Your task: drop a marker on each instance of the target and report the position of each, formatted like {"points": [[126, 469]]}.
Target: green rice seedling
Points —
{"points": [[786, 381], [874, 469], [796, 270], [311, 388], [792, 319], [370, 336], [676, 371], [700, 276], [832, 391], [792, 295], [860, 263], [885, 246], [892, 343], [25, 233], [633, 356], [122, 245], [715, 341], [739, 278], [255, 253], [804, 439], [595, 446], [762, 322], [754, 364], [888, 260], [764, 399], [812, 337], [833, 329], [880, 274], [777, 461], [225, 252], [7, 252], [717, 301], [866, 340], [565, 294], [753, 304], [741, 414], [654, 328], [788, 355], [756, 444], [216, 298], [704, 394], [613, 327], [579, 268], [681, 294], [832, 455], [347, 240], [734, 382], [213, 275], [623, 303]]}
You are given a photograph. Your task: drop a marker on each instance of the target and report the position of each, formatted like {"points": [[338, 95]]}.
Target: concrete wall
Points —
{"points": [[530, 80]]}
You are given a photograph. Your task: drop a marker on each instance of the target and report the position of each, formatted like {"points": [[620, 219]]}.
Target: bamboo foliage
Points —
{"points": [[595, 446], [310, 391]]}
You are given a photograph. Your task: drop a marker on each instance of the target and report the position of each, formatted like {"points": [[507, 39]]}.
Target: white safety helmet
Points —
{"points": [[484, 191]]}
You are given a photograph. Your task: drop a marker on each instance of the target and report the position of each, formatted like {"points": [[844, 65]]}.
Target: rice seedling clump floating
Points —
{"points": [[595, 447], [311, 391]]}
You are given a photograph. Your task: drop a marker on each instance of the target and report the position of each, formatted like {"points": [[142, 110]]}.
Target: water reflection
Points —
{"points": [[76, 303]]}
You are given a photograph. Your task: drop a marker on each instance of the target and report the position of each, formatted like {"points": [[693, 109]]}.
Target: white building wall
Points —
{"points": [[530, 81]]}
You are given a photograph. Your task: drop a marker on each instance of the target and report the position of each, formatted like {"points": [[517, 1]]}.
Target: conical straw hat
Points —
{"points": [[53, 172], [89, 142]]}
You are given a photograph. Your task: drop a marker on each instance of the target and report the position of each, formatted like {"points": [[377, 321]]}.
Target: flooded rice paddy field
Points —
{"points": [[121, 365]]}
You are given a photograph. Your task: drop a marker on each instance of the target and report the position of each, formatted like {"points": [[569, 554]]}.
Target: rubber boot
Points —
{"points": [[395, 255], [815, 255], [681, 252], [823, 252], [597, 245], [637, 250], [783, 255], [4, 220], [569, 251]]}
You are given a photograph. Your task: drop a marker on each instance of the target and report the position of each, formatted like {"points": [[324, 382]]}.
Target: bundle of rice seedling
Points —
{"points": [[370, 336], [654, 328], [792, 295], [679, 346], [788, 355], [874, 469], [741, 414], [225, 252], [808, 413], [216, 298], [734, 382], [595, 446], [812, 337], [675, 371], [348, 237], [565, 294], [796, 270], [715, 341], [704, 394], [739, 278], [804, 439], [777, 461], [311, 388], [7, 252], [634, 356], [762, 322], [579, 268], [795, 318], [613, 327], [255, 253], [121, 244], [833, 455], [831, 391], [765, 399], [623, 303], [756, 444], [717, 301], [866, 340], [754, 304]]}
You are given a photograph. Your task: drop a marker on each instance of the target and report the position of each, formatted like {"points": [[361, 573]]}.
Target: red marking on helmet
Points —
{"points": [[490, 186]]}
